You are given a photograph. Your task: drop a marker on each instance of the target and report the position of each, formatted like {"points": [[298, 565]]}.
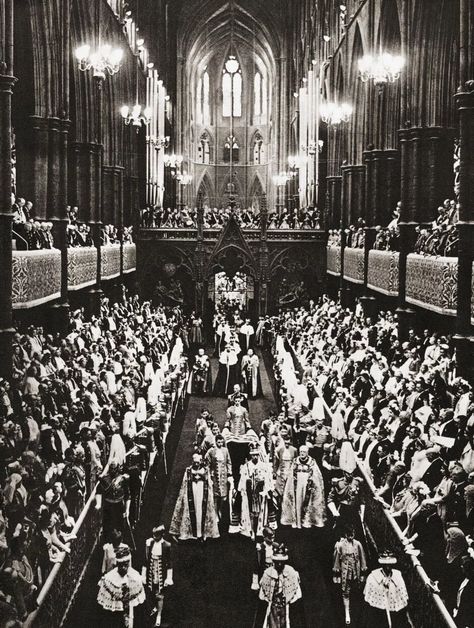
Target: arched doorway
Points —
{"points": [[232, 293], [231, 281]]}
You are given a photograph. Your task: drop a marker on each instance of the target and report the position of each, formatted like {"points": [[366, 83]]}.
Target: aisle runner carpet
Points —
{"points": [[212, 580]]}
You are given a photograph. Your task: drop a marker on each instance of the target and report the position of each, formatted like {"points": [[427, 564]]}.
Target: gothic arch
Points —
{"points": [[230, 259], [256, 192], [357, 124], [237, 191], [206, 188]]}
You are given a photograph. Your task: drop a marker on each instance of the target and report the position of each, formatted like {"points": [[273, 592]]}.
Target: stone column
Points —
{"points": [[333, 202], [464, 338], [60, 310], [7, 81], [353, 193], [95, 293], [382, 192], [263, 278], [199, 291]]}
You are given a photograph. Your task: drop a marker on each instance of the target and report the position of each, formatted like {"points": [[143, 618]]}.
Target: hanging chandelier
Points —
{"points": [[294, 162], [173, 161], [159, 142], [334, 113], [280, 180], [184, 178], [137, 115], [382, 68], [104, 59], [312, 147]]}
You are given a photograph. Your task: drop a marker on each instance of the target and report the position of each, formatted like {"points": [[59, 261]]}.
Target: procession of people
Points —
{"points": [[265, 478]]}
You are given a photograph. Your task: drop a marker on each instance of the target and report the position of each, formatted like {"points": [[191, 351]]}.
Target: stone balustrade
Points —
{"points": [[81, 267], [354, 265], [431, 283], [333, 259], [36, 277], [129, 257], [110, 261], [383, 272]]}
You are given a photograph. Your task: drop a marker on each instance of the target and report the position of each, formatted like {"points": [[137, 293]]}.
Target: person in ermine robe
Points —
{"points": [[279, 588], [255, 486], [195, 515], [250, 371], [120, 592], [246, 335], [227, 373], [220, 466], [303, 504]]}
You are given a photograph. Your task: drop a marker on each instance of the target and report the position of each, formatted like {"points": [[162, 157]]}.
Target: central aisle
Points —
{"points": [[212, 581]]}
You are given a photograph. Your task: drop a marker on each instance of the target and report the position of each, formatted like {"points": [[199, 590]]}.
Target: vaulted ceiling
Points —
{"points": [[207, 27]]}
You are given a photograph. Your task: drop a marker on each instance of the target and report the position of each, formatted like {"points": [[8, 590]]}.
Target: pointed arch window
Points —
{"points": [[232, 89], [258, 150], [259, 95], [231, 144], [202, 99], [204, 149]]}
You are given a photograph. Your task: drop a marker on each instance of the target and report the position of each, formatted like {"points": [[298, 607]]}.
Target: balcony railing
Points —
{"points": [[354, 265], [302, 235], [81, 267], [129, 258], [333, 259], [36, 277], [275, 235], [383, 272], [431, 283], [110, 261]]}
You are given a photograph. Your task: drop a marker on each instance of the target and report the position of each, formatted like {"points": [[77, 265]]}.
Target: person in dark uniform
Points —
{"points": [[158, 569], [113, 495], [241, 395]]}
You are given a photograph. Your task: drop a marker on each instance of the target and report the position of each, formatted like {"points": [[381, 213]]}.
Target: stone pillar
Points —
{"points": [[37, 183], [382, 192], [333, 202], [464, 338], [263, 270], [7, 81], [199, 291], [60, 310], [428, 157], [382, 185], [353, 193], [95, 293], [407, 236], [6, 321]]}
